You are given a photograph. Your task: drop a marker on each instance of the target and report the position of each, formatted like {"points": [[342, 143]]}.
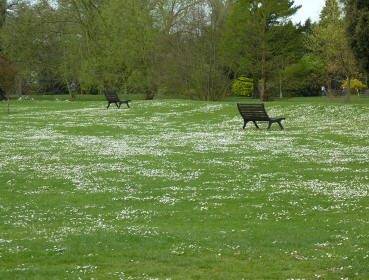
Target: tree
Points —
{"points": [[114, 42], [79, 43], [189, 59], [8, 72], [3, 7], [329, 41], [175, 45], [8, 69], [304, 77], [357, 14], [31, 39], [128, 42], [208, 72], [252, 37], [288, 49]]}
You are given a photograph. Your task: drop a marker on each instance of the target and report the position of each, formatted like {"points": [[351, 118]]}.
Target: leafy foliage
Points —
{"points": [[243, 86], [355, 84], [186, 48], [329, 42], [305, 77], [357, 14], [253, 41], [8, 72]]}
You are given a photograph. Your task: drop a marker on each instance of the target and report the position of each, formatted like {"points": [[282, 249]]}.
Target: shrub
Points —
{"points": [[32, 89], [8, 72], [355, 85], [304, 78], [190, 93], [242, 86]]}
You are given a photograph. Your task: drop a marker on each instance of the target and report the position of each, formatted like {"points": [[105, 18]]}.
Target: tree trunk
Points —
{"points": [[149, 94], [329, 89], [263, 86], [71, 92], [280, 86], [256, 93], [348, 93], [18, 86], [262, 93], [2, 12]]}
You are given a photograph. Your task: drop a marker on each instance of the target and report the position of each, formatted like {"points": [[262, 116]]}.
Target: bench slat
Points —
{"points": [[251, 108]]}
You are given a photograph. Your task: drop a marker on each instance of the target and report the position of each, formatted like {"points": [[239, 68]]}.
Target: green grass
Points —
{"points": [[174, 189]]}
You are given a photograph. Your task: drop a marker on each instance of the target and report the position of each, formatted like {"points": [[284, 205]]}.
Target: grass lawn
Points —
{"points": [[174, 189]]}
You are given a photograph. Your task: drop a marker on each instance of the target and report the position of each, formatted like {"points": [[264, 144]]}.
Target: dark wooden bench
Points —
{"points": [[365, 93], [256, 112], [112, 97]]}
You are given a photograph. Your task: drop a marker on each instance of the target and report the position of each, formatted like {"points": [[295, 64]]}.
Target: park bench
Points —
{"points": [[112, 97], [365, 93], [256, 112]]}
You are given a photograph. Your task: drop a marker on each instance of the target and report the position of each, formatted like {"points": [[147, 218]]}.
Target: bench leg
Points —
{"points": [[280, 125], [122, 102], [116, 103], [255, 124], [269, 125], [108, 105], [244, 124], [271, 122]]}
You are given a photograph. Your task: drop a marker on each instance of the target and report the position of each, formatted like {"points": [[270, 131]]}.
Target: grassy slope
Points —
{"points": [[175, 189]]}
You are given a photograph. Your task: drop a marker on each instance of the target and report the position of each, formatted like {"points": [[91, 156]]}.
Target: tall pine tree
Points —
{"points": [[252, 36], [357, 14], [330, 14]]}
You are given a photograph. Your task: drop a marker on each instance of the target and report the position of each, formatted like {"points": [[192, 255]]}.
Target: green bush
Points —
{"points": [[304, 78], [355, 85], [242, 86], [32, 89]]}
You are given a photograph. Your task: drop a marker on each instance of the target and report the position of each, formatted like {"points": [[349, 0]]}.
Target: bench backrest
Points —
{"points": [[253, 112], [111, 95]]}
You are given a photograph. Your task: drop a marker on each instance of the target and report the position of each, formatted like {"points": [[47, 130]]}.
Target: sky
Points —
{"points": [[310, 9]]}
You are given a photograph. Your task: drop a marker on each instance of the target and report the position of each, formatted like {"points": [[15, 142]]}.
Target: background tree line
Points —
{"points": [[189, 48]]}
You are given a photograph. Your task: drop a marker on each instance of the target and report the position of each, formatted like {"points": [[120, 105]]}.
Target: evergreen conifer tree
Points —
{"points": [[357, 14], [330, 14], [252, 36]]}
